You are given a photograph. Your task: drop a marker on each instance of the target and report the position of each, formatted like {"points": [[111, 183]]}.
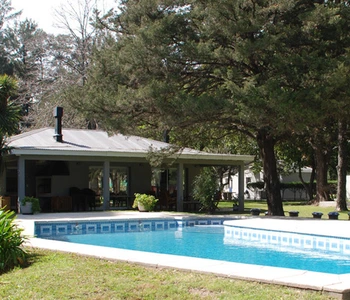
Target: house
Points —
{"points": [[77, 170], [258, 193]]}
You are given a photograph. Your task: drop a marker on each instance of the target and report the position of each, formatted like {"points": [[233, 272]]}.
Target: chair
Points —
{"points": [[167, 202], [78, 202], [89, 198], [62, 203]]}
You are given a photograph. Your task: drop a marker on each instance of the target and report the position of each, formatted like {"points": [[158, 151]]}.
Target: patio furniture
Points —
{"points": [[82, 199], [59, 204], [89, 198], [167, 202], [190, 205]]}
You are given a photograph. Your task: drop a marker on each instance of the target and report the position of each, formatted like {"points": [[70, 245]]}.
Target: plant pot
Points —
{"points": [[333, 215], [26, 209], [293, 213], [255, 211], [317, 215], [141, 207]]}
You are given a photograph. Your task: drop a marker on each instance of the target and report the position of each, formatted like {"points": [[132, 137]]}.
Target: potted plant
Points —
{"points": [[255, 211], [293, 213], [144, 202], [30, 205], [317, 215], [333, 215]]}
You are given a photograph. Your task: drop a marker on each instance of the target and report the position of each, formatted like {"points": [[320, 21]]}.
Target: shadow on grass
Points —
{"points": [[298, 203], [31, 258]]}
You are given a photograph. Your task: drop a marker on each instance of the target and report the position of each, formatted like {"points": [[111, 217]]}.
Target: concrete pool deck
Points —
{"points": [[336, 285]]}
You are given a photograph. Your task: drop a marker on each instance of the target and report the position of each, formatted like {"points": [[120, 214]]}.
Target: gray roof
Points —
{"points": [[80, 142]]}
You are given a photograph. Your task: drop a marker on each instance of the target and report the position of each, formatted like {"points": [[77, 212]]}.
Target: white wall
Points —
{"points": [[256, 194], [79, 171], [347, 186]]}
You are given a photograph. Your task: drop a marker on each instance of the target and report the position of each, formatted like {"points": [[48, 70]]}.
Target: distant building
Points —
{"points": [[258, 194]]}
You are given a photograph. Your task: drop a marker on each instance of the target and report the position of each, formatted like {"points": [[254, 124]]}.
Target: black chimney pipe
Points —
{"points": [[58, 114]]}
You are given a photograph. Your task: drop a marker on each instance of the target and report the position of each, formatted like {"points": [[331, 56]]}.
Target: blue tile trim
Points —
{"points": [[280, 239], [54, 228]]}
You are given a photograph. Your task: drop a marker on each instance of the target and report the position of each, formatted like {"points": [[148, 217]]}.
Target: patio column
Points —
{"points": [[241, 186], [21, 190], [106, 171], [180, 187]]}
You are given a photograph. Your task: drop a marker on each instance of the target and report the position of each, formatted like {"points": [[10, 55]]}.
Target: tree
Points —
{"points": [[328, 29], [342, 165], [76, 20], [6, 15], [69, 57], [26, 44], [241, 66], [296, 153], [206, 188], [9, 112], [197, 85]]}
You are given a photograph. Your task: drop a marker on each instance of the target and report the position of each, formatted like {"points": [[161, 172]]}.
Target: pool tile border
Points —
{"points": [[56, 228], [283, 239]]}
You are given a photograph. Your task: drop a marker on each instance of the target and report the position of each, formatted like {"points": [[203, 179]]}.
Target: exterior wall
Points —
{"points": [[60, 185], [80, 172], [348, 187], [248, 177], [79, 177], [259, 194], [141, 176], [294, 177]]}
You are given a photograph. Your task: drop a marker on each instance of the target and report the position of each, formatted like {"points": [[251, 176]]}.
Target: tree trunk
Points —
{"points": [[342, 164], [322, 187], [266, 145], [309, 187]]}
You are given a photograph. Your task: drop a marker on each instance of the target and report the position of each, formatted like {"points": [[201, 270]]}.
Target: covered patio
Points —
{"points": [[80, 170]]}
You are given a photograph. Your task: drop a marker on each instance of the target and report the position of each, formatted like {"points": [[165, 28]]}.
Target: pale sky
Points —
{"points": [[42, 11]]}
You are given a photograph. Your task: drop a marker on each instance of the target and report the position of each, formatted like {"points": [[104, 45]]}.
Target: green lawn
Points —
{"points": [[304, 209], [56, 275]]}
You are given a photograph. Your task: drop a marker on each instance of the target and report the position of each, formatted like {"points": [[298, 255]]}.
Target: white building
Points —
{"points": [[257, 194]]}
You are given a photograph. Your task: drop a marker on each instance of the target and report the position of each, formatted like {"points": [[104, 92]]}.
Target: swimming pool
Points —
{"points": [[210, 239]]}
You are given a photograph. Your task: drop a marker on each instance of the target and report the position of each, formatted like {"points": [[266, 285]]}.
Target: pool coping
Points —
{"points": [[336, 285]]}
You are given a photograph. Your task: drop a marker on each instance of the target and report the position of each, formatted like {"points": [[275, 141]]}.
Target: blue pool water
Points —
{"points": [[209, 242]]}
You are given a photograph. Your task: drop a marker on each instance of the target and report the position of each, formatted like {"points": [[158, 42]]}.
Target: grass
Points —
{"points": [[56, 275], [305, 210]]}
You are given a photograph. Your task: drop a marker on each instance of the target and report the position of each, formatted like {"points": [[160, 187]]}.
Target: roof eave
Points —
{"points": [[134, 154]]}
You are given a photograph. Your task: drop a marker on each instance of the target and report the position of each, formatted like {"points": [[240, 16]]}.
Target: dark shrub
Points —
{"points": [[12, 252]]}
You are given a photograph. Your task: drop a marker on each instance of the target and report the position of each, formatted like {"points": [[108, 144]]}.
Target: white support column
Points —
{"points": [[21, 190], [106, 171], [180, 187], [241, 186]]}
